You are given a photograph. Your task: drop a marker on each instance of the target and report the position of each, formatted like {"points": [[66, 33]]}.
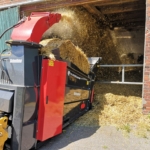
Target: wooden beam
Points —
{"points": [[128, 24], [112, 2], [128, 15], [49, 4], [91, 9], [129, 20], [119, 9]]}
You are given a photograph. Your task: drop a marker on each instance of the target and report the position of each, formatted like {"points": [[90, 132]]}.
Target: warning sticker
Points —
{"points": [[51, 63]]}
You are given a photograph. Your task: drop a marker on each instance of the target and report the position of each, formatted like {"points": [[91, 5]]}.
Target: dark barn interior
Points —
{"points": [[127, 13]]}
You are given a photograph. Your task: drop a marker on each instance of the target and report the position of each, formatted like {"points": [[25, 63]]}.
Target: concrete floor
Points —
{"points": [[77, 137]]}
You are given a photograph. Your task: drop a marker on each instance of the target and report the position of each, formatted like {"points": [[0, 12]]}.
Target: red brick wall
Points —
{"points": [[146, 73], [5, 2]]}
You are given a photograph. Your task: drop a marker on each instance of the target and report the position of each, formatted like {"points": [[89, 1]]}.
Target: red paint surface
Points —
{"points": [[50, 114], [82, 106], [34, 26]]}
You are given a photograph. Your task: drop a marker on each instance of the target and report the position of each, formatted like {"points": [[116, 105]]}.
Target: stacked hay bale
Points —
{"points": [[68, 51]]}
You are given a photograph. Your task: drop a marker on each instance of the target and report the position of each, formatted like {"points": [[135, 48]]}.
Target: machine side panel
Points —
{"points": [[29, 118], [30, 64], [52, 92], [17, 118]]}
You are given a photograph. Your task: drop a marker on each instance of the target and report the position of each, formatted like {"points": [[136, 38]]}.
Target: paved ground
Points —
{"points": [[77, 137]]}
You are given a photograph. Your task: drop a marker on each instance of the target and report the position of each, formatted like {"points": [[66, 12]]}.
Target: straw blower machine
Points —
{"points": [[33, 88]]}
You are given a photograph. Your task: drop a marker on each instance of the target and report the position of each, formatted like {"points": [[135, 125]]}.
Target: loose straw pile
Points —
{"points": [[119, 106]]}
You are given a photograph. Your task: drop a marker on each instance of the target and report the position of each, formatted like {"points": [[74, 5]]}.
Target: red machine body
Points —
{"points": [[34, 26], [52, 93]]}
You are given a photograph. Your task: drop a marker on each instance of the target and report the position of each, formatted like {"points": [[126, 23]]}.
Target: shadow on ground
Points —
{"points": [[70, 134]]}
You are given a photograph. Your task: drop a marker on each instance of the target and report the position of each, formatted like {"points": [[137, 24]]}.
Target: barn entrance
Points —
{"points": [[114, 31]]}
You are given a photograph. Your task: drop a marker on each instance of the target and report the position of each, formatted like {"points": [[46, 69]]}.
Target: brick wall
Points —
{"points": [[146, 72], [5, 2]]}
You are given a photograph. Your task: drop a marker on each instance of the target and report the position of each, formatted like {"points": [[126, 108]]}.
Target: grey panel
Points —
{"points": [[6, 101], [94, 60], [28, 139], [17, 118]]}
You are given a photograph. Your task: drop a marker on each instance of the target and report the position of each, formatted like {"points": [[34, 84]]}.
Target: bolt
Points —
{"points": [[1, 134]]}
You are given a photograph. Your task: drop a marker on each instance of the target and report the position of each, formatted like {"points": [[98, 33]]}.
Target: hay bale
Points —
{"points": [[68, 51]]}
